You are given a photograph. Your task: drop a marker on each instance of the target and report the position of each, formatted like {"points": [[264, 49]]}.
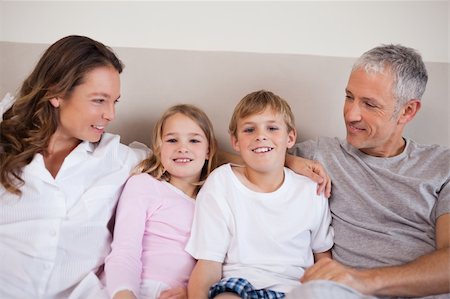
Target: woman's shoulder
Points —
{"points": [[110, 146]]}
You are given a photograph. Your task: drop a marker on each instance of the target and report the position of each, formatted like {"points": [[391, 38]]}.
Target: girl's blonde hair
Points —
{"points": [[153, 166]]}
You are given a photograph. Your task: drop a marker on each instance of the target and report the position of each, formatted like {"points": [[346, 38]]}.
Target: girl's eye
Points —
{"points": [[248, 130], [171, 140], [194, 141]]}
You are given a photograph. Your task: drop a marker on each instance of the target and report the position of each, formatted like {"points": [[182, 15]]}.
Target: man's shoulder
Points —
{"points": [[432, 153]]}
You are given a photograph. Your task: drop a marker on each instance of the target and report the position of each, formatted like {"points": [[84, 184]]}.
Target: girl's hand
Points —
{"points": [[175, 293]]}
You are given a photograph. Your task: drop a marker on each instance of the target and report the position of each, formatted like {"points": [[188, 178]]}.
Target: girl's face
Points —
{"points": [[87, 111], [184, 149]]}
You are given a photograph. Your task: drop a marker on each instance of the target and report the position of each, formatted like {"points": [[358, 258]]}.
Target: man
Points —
{"points": [[391, 196]]}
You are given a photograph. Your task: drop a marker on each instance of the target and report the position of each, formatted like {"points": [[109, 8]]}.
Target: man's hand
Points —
{"points": [[175, 293], [328, 269], [312, 169]]}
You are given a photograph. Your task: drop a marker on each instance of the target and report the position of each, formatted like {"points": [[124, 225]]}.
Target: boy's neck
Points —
{"points": [[260, 181]]}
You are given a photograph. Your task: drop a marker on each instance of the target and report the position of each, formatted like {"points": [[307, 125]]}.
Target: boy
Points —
{"points": [[257, 226]]}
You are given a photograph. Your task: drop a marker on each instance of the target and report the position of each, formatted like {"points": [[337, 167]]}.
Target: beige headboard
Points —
{"points": [[215, 81]]}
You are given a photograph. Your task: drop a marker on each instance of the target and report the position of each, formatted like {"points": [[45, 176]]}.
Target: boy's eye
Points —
{"points": [[248, 130], [273, 128]]}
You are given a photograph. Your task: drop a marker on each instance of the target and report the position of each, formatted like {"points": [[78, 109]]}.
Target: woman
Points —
{"points": [[60, 174]]}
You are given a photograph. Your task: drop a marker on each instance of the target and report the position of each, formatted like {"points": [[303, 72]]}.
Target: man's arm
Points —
{"points": [[204, 275], [427, 275], [312, 169]]}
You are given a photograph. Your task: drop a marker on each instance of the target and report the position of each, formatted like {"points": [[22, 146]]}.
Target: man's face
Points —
{"points": [[369, 116]]}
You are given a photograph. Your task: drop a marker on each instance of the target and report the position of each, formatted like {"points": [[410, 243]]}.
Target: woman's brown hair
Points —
{"points": [[30, 122]]}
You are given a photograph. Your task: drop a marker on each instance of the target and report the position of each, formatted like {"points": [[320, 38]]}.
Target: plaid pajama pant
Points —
{"points": [[243, 288]]}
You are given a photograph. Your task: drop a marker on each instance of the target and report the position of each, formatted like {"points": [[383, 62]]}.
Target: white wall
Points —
{"points": [[305, 51], [328, 28]]}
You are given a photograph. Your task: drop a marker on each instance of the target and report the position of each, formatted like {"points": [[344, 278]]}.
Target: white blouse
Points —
{"points": [[54, 238]]}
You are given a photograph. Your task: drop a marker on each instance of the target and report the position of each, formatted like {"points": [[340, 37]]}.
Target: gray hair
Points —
{"points": [[405, 64]]}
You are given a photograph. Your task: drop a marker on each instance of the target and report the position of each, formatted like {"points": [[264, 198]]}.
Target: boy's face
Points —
{"points": [[262, 140]]}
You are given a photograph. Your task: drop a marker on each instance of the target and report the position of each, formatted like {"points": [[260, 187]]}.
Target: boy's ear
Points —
{"points": [[55, 102], [234, 142], [292, 138]]}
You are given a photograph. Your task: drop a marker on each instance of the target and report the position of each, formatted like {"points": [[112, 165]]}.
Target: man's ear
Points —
{"points": [[234, 142], [292, 137], [408, 111], [55, 102]]}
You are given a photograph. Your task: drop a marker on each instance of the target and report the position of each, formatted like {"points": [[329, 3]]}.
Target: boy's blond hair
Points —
{"points": [[258, 101]]}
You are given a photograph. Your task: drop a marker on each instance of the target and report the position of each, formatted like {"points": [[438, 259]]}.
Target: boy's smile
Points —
{"points": [[262, 140]]}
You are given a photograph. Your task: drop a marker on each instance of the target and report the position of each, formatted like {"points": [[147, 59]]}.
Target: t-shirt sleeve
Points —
{"points": [[322, 236], [123, 266], [443, 204], [210, 234]]}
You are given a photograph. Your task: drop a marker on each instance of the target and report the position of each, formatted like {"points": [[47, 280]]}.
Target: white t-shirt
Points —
{"points": [[55, 237], [266, 238]]}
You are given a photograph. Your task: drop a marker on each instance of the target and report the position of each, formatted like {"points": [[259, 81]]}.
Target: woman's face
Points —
{"points": [[87, 111]]}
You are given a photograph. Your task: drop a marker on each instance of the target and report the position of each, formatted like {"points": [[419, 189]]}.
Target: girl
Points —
{"points": [[156, 208]]}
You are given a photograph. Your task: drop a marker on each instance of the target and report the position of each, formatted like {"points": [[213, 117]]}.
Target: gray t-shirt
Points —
{"points": [[384, 209]]}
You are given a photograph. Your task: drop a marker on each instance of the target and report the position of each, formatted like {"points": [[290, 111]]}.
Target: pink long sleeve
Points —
{"points": [[153, 224]]}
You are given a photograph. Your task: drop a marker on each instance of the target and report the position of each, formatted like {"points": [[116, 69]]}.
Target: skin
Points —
{"points": [[83, 115], [374, 128], [184, 150], [262, 140]]}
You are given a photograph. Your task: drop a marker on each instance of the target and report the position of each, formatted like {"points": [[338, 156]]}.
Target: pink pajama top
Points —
{"points": [[153, 225]]}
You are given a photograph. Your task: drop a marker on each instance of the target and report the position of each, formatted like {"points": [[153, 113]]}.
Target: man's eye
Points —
{"points": [[99, 101], [370, 105]]}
